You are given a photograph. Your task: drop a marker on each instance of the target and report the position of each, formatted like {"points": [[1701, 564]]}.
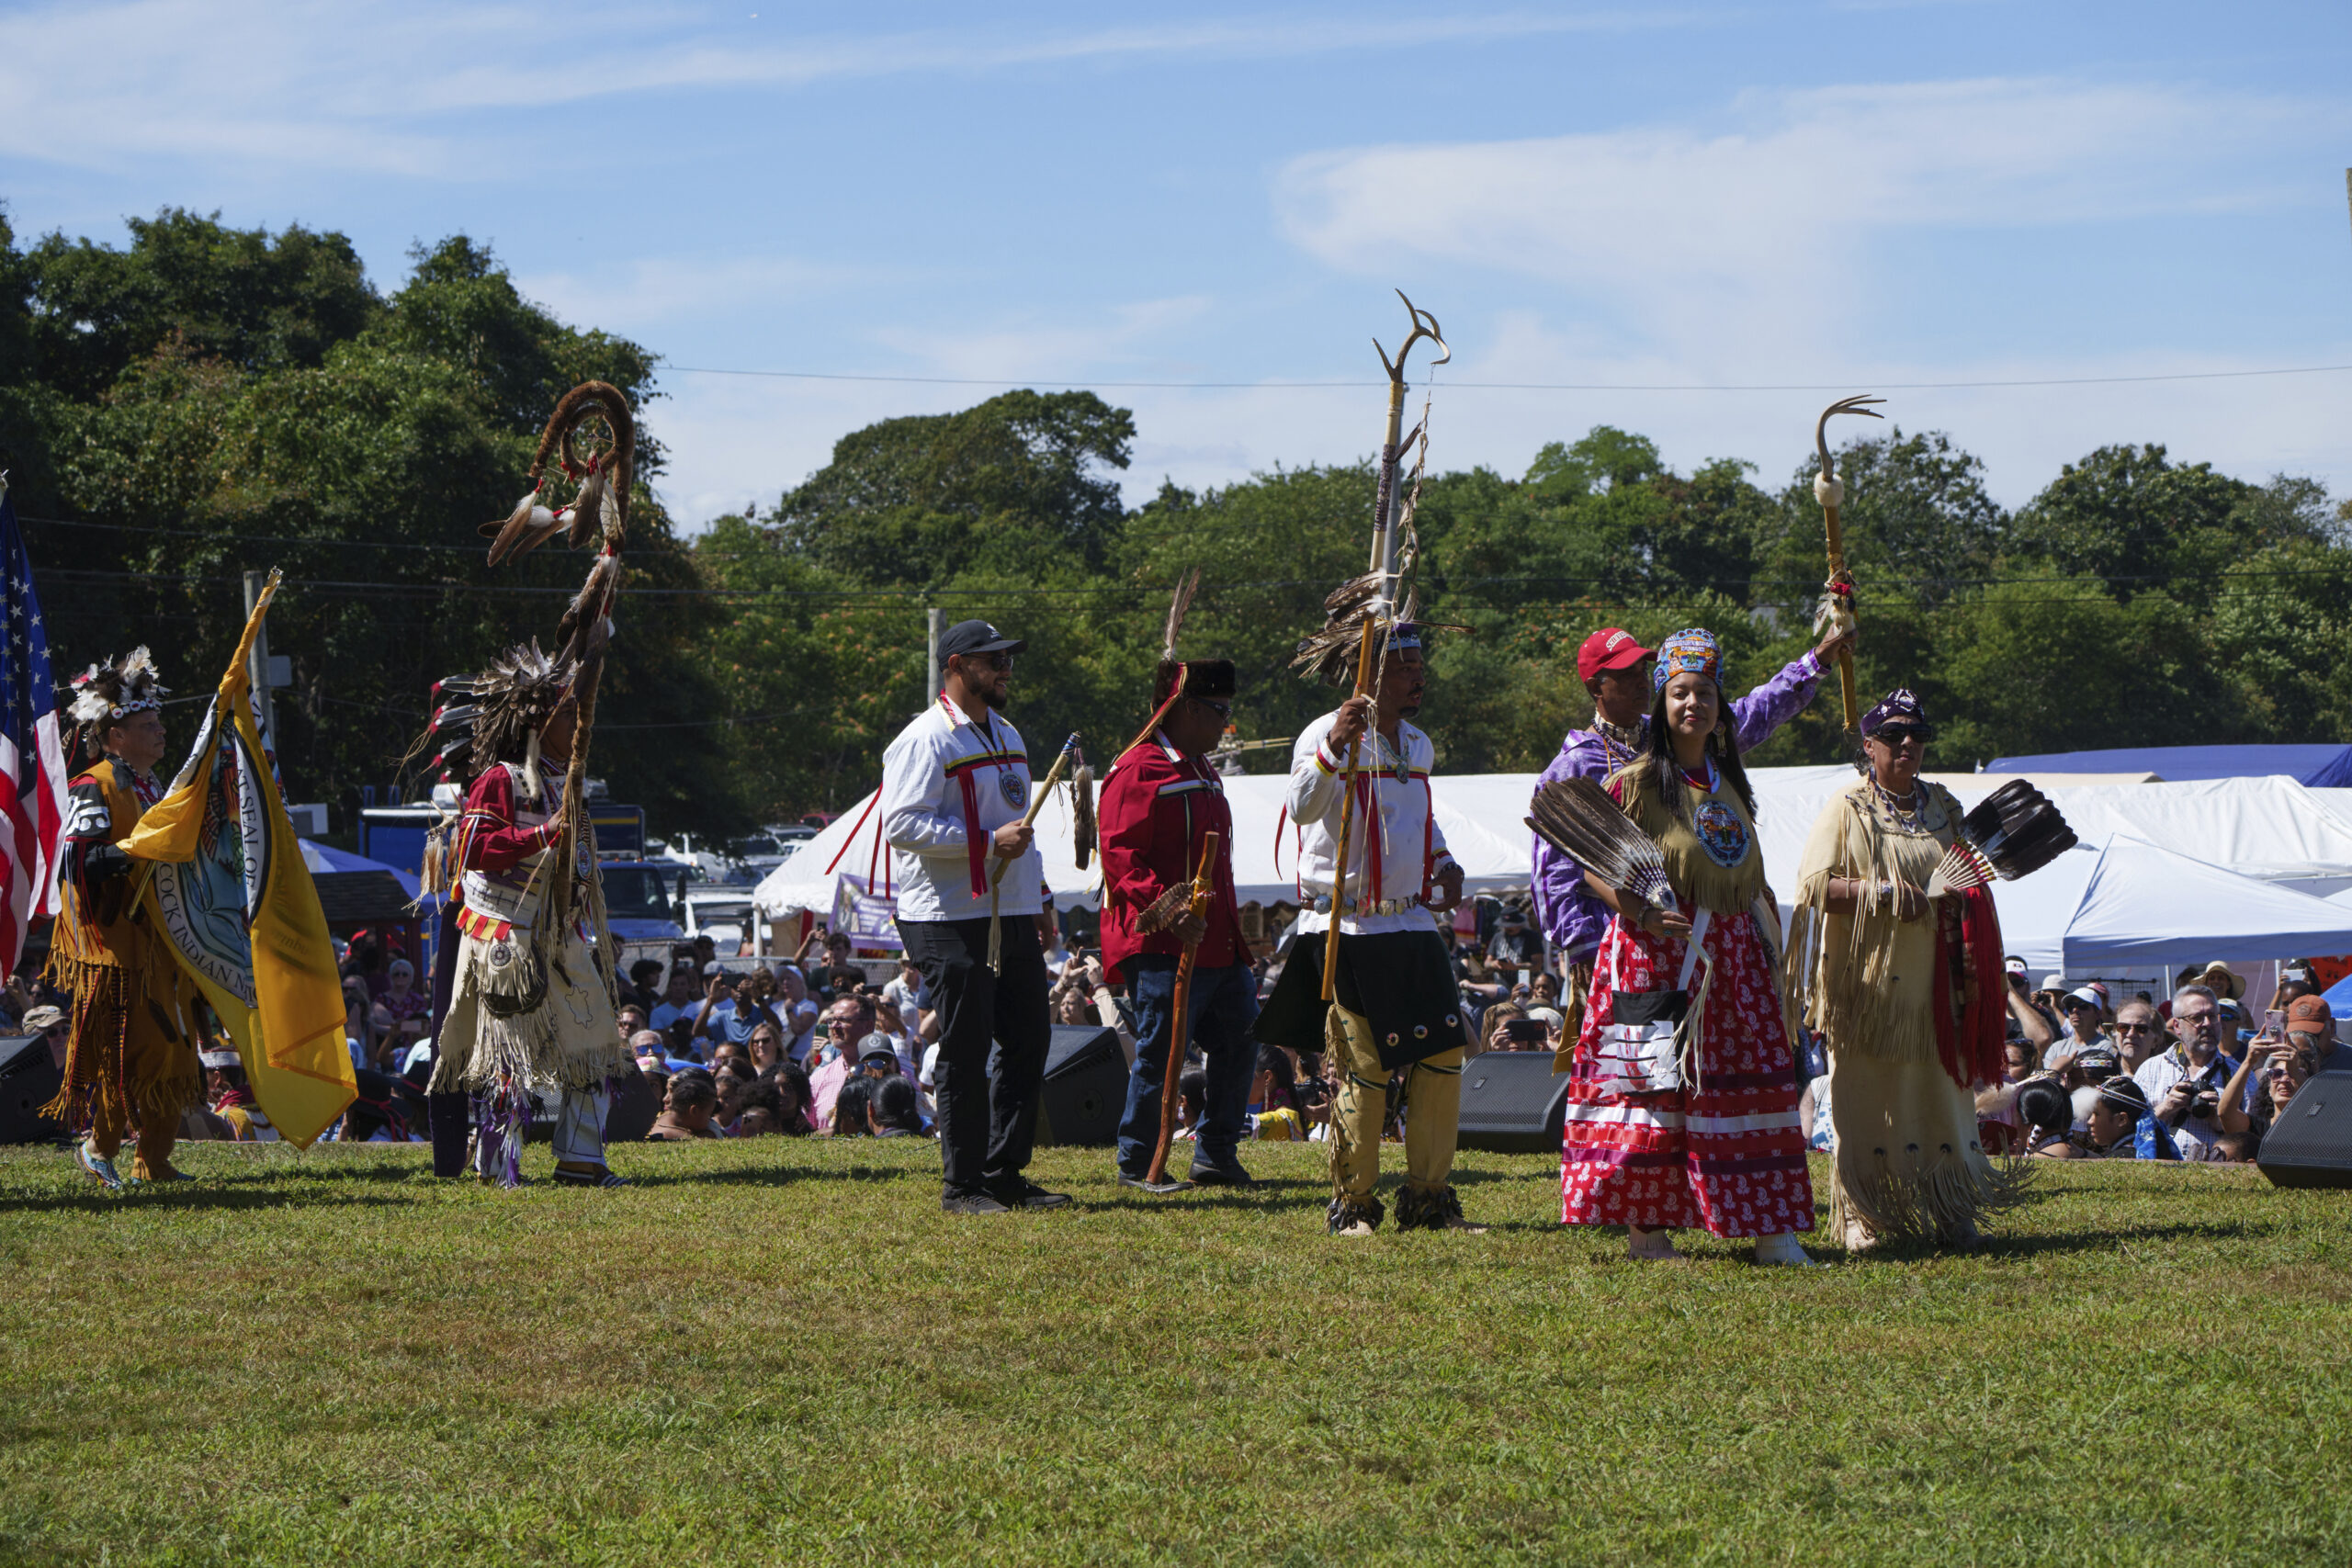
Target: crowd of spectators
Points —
{"points": [[2191, 1078], [820, 1045]]}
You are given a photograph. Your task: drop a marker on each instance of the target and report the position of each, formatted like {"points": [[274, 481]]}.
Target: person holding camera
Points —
{"points": [[2183, 1084]]}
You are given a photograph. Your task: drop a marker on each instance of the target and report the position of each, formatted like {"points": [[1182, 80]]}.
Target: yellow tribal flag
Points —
{"points": [[240, 913]]}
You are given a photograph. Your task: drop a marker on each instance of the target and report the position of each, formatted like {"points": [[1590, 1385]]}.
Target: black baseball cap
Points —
{"points": [[976, 636]]}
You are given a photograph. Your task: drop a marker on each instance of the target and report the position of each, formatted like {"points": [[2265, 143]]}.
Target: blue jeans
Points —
{"points": [[1223, 1005]]}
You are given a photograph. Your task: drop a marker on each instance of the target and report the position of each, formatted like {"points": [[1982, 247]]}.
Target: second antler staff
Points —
{"points": [[1397, 1005], [954, 787]]}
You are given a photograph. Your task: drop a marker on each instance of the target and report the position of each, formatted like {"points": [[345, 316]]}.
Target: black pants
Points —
{"points": [[987, 1121]]}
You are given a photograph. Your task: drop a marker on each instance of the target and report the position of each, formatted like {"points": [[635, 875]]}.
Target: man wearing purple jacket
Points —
{"points": [[1616, 669]]}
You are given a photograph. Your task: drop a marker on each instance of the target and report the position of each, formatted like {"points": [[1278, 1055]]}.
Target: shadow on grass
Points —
{"points": [[193, 1195], [765, 1176], [2061, 1242]]}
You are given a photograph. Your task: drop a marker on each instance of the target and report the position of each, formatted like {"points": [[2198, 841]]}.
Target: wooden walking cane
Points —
{"points": [[1180, 1021], [1028, 819], [1836, 612], [1383, 607]]}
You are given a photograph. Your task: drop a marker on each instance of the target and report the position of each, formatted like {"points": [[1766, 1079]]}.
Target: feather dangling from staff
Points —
{"points": [[1084, 830]]}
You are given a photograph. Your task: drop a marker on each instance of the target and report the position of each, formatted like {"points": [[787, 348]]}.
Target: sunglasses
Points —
{"points": [[1001, 661], [1894, 735], [1223, 710]]}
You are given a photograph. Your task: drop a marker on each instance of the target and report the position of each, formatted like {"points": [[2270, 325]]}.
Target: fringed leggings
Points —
{"points": [[501, 1116]]}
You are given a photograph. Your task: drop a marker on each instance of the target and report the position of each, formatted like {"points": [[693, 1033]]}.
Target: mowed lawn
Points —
{"points": [[782, 1351]]}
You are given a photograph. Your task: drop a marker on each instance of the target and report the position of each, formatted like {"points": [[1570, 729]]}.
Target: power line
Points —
{"points": [[1071, 385]]}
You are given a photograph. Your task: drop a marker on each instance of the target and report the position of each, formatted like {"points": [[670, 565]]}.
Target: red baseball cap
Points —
{"points": [[1611, 647]]}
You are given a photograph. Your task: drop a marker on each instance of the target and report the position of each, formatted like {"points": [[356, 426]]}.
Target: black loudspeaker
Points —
{"points": [[635, 1105], [1086, 1086], [2309, 1142], [1511, 1103], [29, 1079]]}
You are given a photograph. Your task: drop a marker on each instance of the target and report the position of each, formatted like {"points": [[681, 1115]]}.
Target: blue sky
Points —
{"points": [[1858, 195]]}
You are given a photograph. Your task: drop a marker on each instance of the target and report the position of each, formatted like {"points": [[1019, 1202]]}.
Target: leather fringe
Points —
{"points": [[1948, 1201]]}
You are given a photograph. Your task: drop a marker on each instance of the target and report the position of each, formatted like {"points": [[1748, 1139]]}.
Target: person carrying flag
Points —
{"points": [[131, 1054]]}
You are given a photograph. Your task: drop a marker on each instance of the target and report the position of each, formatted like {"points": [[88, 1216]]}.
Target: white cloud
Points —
{"points": [[633, 296], [377, 86], [1748, 244]]}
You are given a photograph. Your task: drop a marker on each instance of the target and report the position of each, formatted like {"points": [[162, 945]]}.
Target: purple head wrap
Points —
{"points": [[1900, 706]]}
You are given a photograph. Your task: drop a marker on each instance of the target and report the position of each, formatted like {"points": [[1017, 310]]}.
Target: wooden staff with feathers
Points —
{"points": [[598, 510], [1380, 604]]}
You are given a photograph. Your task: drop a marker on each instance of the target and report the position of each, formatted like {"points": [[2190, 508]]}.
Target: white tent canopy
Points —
{"points": [[2194, 870], [1481, 817], [2131, 903]]}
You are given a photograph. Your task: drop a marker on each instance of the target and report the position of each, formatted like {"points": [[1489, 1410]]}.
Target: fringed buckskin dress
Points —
{"points": [[1915, 1018]]}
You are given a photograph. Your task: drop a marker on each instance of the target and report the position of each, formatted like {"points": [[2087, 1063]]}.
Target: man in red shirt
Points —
{"points": [[1160, 801]]}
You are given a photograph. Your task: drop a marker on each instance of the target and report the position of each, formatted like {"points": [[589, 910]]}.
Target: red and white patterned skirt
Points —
{"points": [[1728, 1154]]}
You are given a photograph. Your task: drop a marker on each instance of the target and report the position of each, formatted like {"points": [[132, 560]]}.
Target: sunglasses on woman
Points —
{"points": [[1894, 735]]}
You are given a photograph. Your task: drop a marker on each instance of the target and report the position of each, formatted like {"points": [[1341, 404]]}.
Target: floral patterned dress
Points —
{"points": [[1727, 1151]]}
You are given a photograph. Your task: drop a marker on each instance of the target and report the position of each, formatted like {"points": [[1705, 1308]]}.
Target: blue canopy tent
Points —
{"points": [[2318, 767]]}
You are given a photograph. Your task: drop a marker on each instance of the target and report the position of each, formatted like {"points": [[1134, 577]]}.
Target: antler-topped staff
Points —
{"points": [[1837, 612], [1382, 606], [600, 509]]}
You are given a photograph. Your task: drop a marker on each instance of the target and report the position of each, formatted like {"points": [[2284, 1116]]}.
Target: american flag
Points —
{"points": [[32, 759]]}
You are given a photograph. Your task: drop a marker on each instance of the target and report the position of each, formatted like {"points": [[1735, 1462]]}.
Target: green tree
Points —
{"points": [[275, 412], [923, 500]]}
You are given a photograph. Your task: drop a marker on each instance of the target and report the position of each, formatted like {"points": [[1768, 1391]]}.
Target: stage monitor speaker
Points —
{"points": [[2309, 1142], [29, 1079], [1086, 1087], [1511, 1103], [634, 1107]]}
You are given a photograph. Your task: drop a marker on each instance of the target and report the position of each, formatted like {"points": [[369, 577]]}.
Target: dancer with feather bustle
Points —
{"points": [[1909, 990], [1162, 802], [1722, 1148], [530, 1000], [1615, 669], [1395, 1003], [530, 1003], [132, 1050]]}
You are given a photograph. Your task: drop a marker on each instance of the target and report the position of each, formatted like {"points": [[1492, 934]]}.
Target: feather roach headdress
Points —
{"points": [[490, 716], [114, 689]]}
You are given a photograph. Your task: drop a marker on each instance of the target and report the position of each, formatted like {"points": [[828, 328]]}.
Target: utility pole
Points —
{"points": [[258, 663], [933, 690]]}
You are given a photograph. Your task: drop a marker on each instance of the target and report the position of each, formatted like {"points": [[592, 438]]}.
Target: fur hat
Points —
{"points": [[115, 688]]}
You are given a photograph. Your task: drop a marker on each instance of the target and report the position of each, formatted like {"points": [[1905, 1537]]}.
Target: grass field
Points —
{"points": [[782, 1350]]}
